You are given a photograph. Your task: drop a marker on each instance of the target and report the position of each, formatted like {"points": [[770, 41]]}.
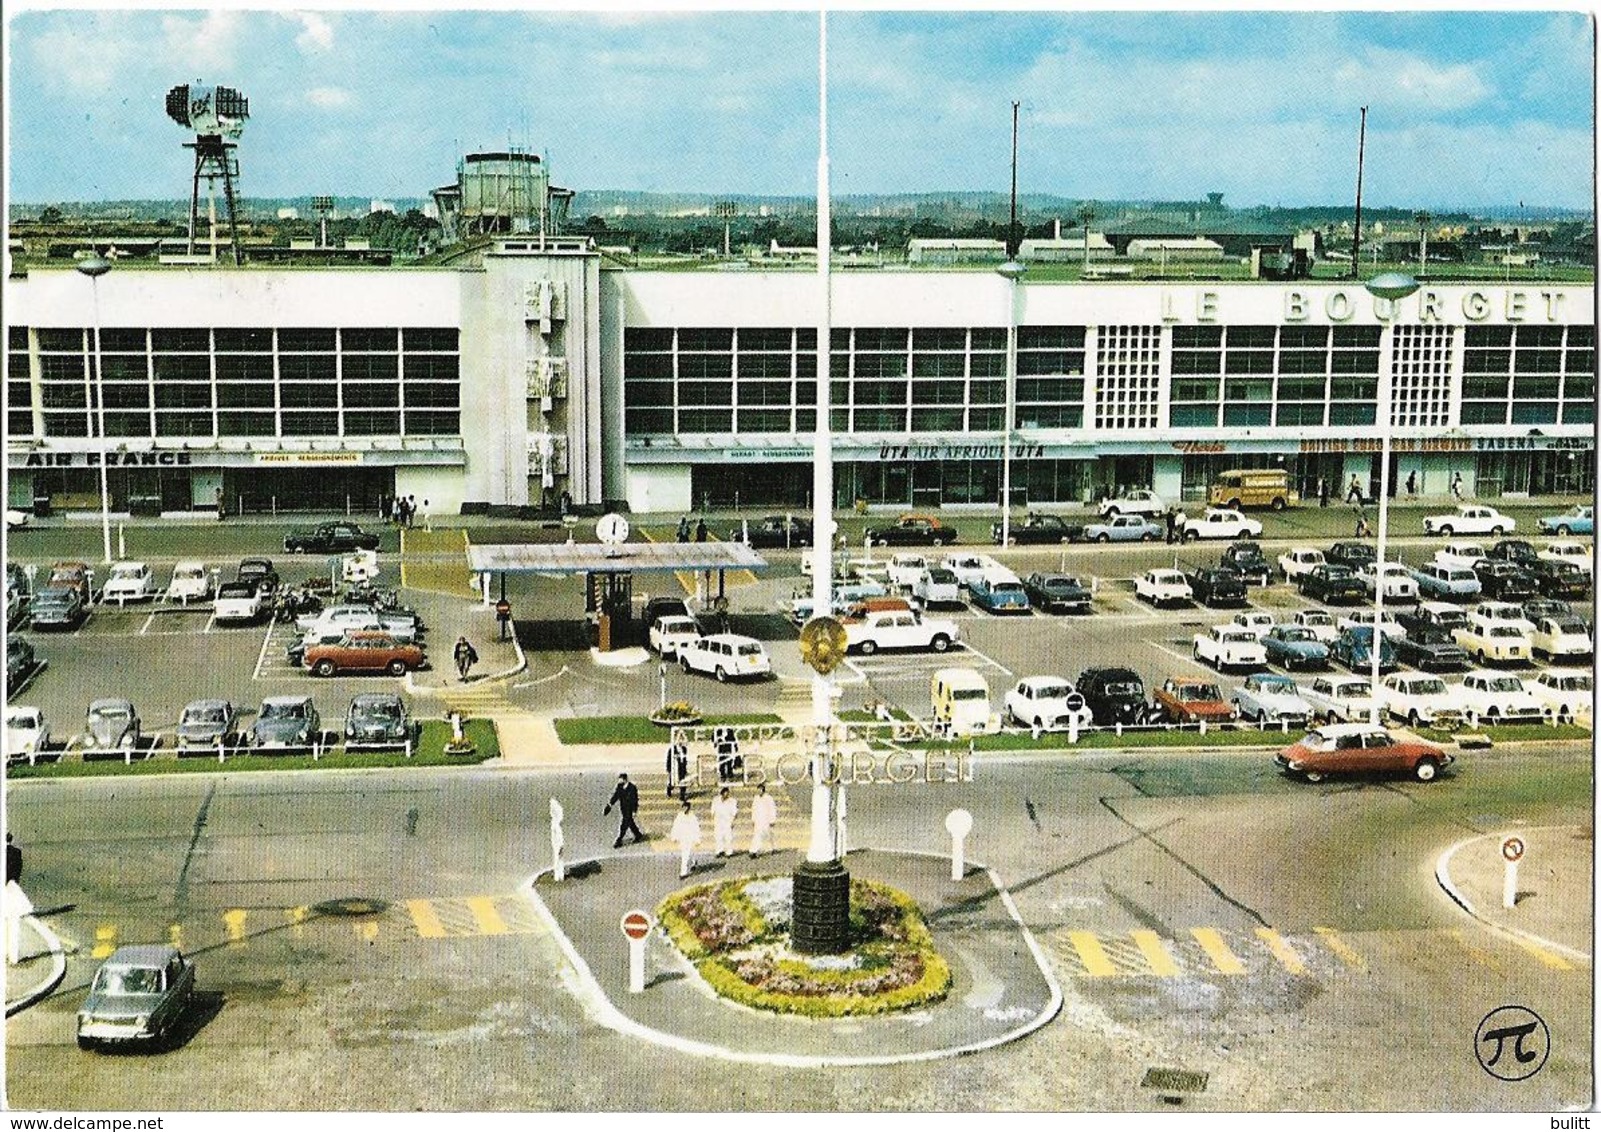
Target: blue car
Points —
{"points": [[1295, 646], [1125, 528], [999, 591], [1579, 521], [1354, 649]]}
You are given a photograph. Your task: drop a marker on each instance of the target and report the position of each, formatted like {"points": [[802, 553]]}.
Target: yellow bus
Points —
{"points": [[1253, 487]]}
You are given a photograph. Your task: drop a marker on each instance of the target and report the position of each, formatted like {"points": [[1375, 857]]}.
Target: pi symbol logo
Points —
{"points": [[1512, 1043]]}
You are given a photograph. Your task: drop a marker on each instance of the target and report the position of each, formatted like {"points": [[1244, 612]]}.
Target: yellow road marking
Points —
{"points": [[1479, 954], [1549, 958], [367, 930], [1332, 940], [175, 935], [233, 921], [105, 941], [1155, 952], [1282, 951], [425, 919], [486, 915], [297, 920], [1226, 962], [1090, 952]]}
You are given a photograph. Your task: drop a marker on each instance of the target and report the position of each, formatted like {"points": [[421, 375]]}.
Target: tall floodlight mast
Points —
{"points": [[217, 116]]}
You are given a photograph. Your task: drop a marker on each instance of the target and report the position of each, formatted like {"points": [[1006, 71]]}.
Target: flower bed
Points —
{"points": [[737, 935]]}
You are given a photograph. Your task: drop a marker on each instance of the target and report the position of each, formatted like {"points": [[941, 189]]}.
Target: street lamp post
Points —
{"points": [[1012, 271], [94, 267]]}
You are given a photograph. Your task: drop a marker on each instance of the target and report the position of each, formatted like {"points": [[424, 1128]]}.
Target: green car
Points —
{"points": [[140, 994]]}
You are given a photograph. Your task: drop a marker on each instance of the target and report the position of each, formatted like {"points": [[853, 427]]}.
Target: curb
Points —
{"points": [[58, 966], [1442, 875], [610, 1016], [505, 674]]}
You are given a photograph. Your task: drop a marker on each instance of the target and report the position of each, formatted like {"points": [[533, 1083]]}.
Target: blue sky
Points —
{"points": [[1465, 108]]}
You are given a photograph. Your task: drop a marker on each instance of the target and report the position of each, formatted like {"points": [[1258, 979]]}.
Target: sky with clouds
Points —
{"points": [[1465, 108]]}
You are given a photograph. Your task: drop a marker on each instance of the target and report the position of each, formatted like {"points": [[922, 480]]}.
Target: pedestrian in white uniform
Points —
{"points": [[764, 813], [724, 807], [685, 831]]}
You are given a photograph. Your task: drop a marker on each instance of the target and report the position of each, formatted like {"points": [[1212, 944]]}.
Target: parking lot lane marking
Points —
{"points": [[105, 941], [297, 919], [1097, 964], [261, 660], [1549, 958], [685, 578], [1477, 953], [366, 930], [985, 659], [485, 915], [1332, 940], [1155, 952], [210, 621], [233, 922], [149, 621], [425, 920], [175, 935], [1282, 951], [1226, 962]]}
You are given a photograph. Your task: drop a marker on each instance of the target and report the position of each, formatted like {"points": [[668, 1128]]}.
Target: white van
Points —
{"points": [[961, 700]]}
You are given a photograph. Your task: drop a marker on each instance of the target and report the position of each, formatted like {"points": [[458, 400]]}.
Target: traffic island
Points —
{"points": [[997, 985]]}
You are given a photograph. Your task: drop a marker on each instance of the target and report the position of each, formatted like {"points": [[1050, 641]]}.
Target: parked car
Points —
{"points": [[960, 701], [1113, 695], [1057, 593], [1432, 649], [1360, 748], [1561, 638], [1162, 587], [1351, 553], [658, 607], [1337, 697], [57, 607], [239, 601], [295, 650], [129, 581], [1579, 520], [1247, 560], [377, 719], [1186, 699], [999, 591], [1565, 693], [1354, 649], [1420, 699], [1363, 618], [1538, 607], [20, 662], [1518, 551], [70, 575], [1440, 580], [1257, 622], [286, 721], [1040, 530], [904, 569], [261, 572], [111, 725], [845, 595], [912, 530], [207, 724], [27, 733], [139, 994], [1561, 580], [1124, 528], [191, 581], [937, 585], [17, 519], [968, 567], [1434, 614], [1298, 561], [670, 634], [18, 590], [1578, 553], [1498, 697], [403, 625], [726, 656], [1267, 697], [1221, 522], [330, 538], [772, 531], [1399, 585], [1228, 646], [1319, 621], [1460, 553], [364, 651], [1506, 581], [899, 629], [1503, 611], [1469, 519], [1486, 640], [1047, 703], [1215, 585], [1294, 646], [1330, 583], [1136, 501]]}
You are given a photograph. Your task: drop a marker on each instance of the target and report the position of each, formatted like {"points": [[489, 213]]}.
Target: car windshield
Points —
{"points": [[126, 571], [1194, 693], [110, 712], [1275, 684], [236, 589], [129, 980], [1354, 688], [1574, 683], [1238, 637], [1316, 617], [1007, 587], [1060, 582], [1335, 570], [1428, 687], [1504, 684], [942, 576], [188, 573], [1123, 688], [270, 710], [1294, 634], [969, 694], [209, 714], [380, 709], [1570, 626], [1051, 691], [1505, 631]]}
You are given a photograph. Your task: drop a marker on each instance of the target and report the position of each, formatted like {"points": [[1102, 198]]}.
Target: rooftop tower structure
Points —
{"points": [[217, 116]]}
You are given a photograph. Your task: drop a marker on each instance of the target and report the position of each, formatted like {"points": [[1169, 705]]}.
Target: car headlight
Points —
{"points": [[142, 1021]]}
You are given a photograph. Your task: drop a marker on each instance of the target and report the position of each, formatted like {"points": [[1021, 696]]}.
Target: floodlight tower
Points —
{"points": [[217, 117], [323, 207], [726, 210]]}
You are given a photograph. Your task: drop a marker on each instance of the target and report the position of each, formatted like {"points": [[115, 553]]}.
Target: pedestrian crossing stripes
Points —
{"points": [[445, 918], [479, 703]]}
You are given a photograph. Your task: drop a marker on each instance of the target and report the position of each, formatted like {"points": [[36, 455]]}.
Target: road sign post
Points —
{"points": [[958, 823], [636, 926], [1512, 853]]}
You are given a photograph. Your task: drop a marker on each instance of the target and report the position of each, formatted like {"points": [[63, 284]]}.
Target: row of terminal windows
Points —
{"points": [[207, 382]]}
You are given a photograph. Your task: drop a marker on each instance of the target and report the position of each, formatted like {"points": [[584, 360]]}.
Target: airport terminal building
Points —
{"points": [[540, 367]]}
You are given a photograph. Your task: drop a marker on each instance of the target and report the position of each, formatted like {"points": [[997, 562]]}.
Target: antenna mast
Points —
{"points": [[1356, 239]]}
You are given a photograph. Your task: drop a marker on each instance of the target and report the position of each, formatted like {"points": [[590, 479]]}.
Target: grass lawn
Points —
{"points": [[1511, 733], [1131, 739], [638, 729], [430, 752], [436, 561]]}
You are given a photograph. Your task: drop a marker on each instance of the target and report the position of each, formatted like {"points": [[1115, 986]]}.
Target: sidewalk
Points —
{"points": [[1556, 880], [1002, 988], [44, 964]]}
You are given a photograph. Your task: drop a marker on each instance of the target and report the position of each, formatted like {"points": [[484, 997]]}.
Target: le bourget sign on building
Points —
{"points": [[1355, 303]]}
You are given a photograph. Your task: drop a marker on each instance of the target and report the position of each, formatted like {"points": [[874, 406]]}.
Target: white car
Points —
{"points": [[129, 581], [1577, 553], [238, 601], [1470, 519], [672, 633], [354, 619], [1504, 612], [1399, 585], [1420, 698], [1485, 640], [15, 520], [1460, 554], [904, 570], [1389, 626], [968, 568], [1221, 522], [937, 586], [191, 581], [1046, 703], [1268, 697], [1320, 621], [26, 732], [1498, 697], [1348, 698], [1229, 646], [1565, 692], [1561, 638], [1139, 501], [725, 656], [1254, 621], [1299, 560], [899, 629], [1162, 587]]}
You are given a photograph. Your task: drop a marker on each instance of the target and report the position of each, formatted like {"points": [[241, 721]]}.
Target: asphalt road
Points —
{"points": [[1357, 986]]}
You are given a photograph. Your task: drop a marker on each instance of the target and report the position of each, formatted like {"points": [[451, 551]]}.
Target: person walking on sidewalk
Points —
{"points": [[683, 529], [724, 810], [686, 833], [1456, 486], [678, 769], [764, 813], [1353, 494], [626, 798], [1322, 492], [466, 656], [700, 531], [1412, 482]]}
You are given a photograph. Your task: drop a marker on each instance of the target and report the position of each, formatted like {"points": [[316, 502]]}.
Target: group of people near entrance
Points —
{"points": [[686, 829]]}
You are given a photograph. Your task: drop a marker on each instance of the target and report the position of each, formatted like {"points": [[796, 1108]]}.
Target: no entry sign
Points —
{"points": [[636, 924], [1512, 848]]}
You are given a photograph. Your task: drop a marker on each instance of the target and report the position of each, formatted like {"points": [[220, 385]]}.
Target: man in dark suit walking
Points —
{"points": [[626, 799]]}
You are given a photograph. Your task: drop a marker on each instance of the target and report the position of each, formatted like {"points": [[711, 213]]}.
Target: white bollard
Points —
{"points": [[17, 905], [1072, 728], [1511, 852], [557, 840], [636, 927], [958, 823]]}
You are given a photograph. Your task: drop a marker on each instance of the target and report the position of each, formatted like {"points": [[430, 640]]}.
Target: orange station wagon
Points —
{"points": [[364, 652]]}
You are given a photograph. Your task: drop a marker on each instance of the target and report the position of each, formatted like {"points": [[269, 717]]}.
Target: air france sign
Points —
{"points": [[1356, 304]]}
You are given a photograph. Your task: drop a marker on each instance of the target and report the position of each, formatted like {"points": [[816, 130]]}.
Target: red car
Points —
{"points": [[1186, 699], [363, 652], [1360, 748]]}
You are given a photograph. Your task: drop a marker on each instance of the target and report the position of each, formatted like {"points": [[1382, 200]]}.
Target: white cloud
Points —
{"points": [[1408, 83], [85, 60], [316, 34], [208, 43], [328, 97]]}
